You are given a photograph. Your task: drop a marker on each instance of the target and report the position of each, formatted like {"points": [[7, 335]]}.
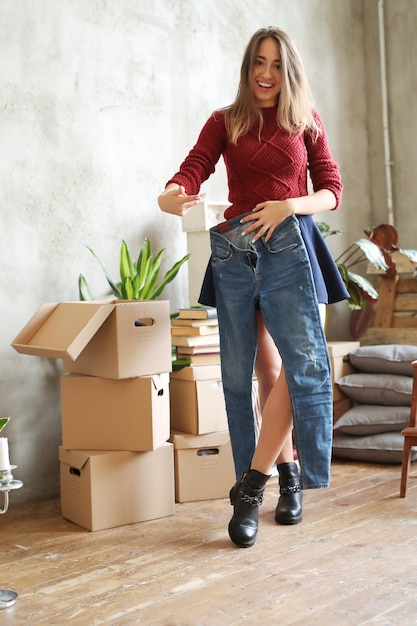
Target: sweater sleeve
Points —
{"points": [[201, 161], [324, 171]]}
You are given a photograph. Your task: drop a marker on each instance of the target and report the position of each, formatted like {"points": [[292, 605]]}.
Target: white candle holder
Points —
{"points": [[7, 484]]}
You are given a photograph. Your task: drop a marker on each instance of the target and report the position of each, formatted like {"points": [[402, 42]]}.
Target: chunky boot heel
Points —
{"points": [[246, 497], [289, 509]]}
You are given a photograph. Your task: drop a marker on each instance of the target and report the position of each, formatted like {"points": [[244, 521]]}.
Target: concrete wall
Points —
{"points": [[100, 100]]}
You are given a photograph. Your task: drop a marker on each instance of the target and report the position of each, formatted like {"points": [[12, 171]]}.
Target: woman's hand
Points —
{"points": [[266, 216], [174, 200]]}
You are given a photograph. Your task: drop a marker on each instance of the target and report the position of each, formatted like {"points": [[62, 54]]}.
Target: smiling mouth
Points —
{"points": [[264, 85]]}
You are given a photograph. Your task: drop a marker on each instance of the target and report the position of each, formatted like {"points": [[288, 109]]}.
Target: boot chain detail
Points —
{"points": [[285, 491]]}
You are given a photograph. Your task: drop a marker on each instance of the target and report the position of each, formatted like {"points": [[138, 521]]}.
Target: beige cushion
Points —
{"points": [[371, 419], [384, 359], [381, 448], [382, 389]]}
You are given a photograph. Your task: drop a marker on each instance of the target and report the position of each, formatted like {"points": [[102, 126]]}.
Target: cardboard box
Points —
{"points": [[203, 466], [198, 372], [104, 414], [101, 489], [197, 406], [340, 407], [337, 352], [121, 339]]}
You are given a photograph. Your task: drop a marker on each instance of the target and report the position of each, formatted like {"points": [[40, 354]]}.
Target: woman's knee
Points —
{"points": [[268, 362]]}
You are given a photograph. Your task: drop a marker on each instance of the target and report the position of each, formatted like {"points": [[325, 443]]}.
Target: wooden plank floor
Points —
{"points": [[352, 561]]}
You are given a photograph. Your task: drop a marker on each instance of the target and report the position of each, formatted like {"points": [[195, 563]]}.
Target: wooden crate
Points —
{"points": [[396, 313]]}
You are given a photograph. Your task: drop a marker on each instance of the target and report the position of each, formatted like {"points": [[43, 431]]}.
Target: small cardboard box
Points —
{"points": [[339, 366], [101, 489], [197, 406], [198, 372], [121, 339], [105, 414], [203, 466]]}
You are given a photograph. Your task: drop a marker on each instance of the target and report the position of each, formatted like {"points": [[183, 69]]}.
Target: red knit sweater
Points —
{"points": [[274, 168]]}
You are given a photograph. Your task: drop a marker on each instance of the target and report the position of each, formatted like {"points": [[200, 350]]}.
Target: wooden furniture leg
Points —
{"points": [[410, 436]]}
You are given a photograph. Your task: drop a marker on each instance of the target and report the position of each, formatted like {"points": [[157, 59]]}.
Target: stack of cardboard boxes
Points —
{"points": [[116, 461], [204, 467]]}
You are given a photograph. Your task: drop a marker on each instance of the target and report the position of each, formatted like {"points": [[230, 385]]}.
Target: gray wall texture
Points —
{"points": [[100, 100]]}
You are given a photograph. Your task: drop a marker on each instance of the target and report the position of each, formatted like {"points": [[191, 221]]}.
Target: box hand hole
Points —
{"points": [[208, 452], [146, 321]]}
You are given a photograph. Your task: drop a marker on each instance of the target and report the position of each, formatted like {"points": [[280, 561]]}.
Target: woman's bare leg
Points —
{"points": [[268, 367], [276, 428]]}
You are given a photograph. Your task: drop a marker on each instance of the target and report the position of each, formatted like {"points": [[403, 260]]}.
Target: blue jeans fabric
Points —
{"points": [[276, 275]]}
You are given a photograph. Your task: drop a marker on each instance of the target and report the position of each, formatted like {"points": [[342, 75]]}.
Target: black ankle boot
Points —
{"points": [[289, 509], [246, 497]]}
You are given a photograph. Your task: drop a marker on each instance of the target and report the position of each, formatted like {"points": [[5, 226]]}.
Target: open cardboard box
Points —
{"points": [[101, 489], [203, 465], [120, 339], [104, 414]]}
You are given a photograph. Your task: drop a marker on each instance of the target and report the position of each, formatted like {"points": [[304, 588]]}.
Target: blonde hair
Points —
{"points": [[295, 106]]}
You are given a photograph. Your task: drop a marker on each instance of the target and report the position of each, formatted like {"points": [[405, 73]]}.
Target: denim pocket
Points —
{"points": [[221, 250], [285, 237]]}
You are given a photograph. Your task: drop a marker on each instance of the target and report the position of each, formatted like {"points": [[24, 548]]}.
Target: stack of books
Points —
{"points": [[195, 335]]}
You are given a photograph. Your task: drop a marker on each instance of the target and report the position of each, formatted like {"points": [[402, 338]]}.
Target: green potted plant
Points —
{"points": [[378, 249], [138, 279]]}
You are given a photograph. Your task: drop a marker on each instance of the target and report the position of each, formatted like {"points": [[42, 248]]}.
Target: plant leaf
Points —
{"points": [[152, 278], [127, 289], [84, 289], [143, 276], [373, 253], [412, 254], [179, 364], [145, 253], [358, 287], [148, 290], [113, 286], [3, 422], [144, 263], [126, 264], [326, 231], [136, 287], [356, 299], [170, 275], [364, 285], [384, 236], [343, 271]]}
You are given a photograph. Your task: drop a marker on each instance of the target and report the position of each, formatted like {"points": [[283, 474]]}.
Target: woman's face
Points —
{"points": [[266, 73]]}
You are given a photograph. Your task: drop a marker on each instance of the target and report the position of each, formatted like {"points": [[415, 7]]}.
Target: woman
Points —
{"points": [[270, 269]]}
